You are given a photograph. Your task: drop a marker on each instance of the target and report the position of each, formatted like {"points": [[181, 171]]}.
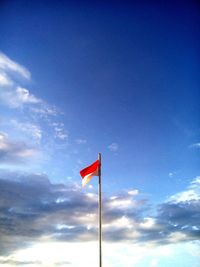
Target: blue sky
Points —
{"points": [[81, 78]]}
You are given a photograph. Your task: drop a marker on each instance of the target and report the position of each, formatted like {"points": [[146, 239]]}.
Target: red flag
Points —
{"points": [[88, 172]]}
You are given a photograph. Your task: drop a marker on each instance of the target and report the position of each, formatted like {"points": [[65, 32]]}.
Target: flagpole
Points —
{"points": [[100, 214]]}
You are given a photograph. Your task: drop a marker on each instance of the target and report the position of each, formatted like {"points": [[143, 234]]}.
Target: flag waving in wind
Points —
{"points": [[88, 172]]}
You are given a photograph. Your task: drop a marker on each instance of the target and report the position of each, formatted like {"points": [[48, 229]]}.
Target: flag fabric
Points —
{"points": [[88, 172]]}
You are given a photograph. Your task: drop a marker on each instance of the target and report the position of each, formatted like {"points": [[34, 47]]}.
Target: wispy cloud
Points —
{"points": [[195, 145], [18, 97], [11, 93], [44, 110], [15, 96], [113, 147], [33, 131], [34, 121], [80, 141], [172, 173], [192, 193], [8, 65], [14, 151], [59, 131]]}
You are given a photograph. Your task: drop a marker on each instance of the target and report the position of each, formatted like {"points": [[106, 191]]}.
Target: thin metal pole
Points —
{"points": [[100, 214]]}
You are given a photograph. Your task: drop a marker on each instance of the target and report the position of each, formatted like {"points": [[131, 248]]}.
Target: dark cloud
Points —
{"points": [[183, 217], [173, 218], [181, 214], [31, 207]]}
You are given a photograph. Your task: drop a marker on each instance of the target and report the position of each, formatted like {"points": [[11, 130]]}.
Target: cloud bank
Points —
{"points": [[32, 208]]}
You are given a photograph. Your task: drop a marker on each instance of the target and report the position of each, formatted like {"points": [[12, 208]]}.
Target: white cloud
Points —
{"points": [[45, 252], [64, 226], [81, 141], [196, 145], [192, 193], [39, 113], [172, 173], [31, 130], [114, 254], [44, 110], [124, 201], [13, 95], [123, 222], [124, 230], [4, 79], [196, 182], [148, 223], [19, 97], [113, 197], [92, 196], [11, 151], [24, 96], [113, 147], [7, 64], [188, 195], [177, 237], [121, 203], [134, 192], [59, 134], [59, 131], [23, 153]]}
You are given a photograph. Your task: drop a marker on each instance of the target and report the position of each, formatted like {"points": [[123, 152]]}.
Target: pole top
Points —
{"points": [[99, 157]]}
